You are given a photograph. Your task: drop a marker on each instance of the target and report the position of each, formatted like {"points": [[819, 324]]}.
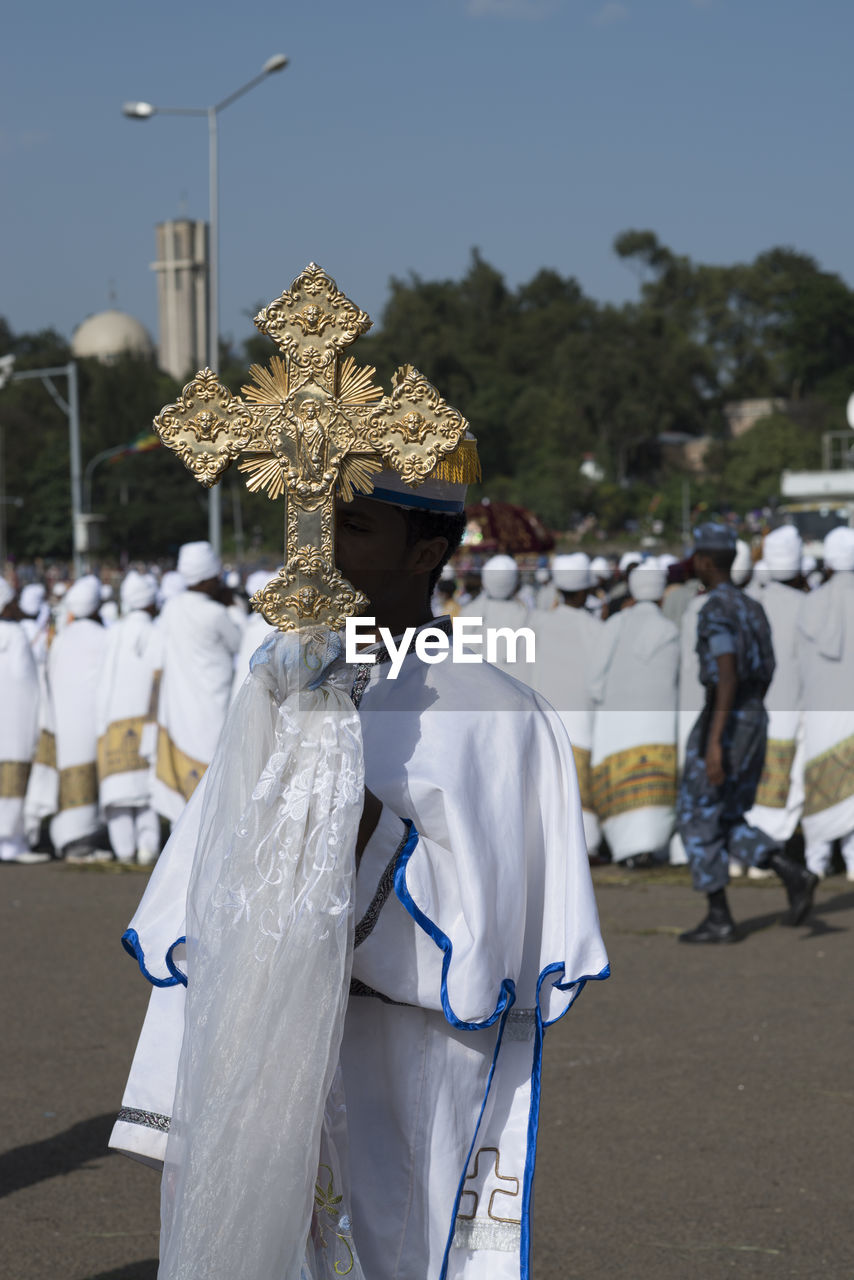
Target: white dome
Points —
{"points": [[109, 334]]}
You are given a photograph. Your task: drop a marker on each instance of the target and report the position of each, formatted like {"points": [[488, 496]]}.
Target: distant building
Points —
{"points": [[182, 295], [741, 415], [107, 335]]}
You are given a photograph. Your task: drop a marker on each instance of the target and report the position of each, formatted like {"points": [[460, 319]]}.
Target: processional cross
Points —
{"points": [[313, 425]]}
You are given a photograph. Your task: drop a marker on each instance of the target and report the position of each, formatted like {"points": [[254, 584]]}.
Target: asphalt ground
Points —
{"points": [[697, 1107]]}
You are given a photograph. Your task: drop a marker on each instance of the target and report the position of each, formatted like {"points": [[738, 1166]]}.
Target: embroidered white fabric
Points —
{"points": [[258, 1107]]}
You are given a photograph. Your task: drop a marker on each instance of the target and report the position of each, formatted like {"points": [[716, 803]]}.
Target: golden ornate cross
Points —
{"points": [[313, 425]]}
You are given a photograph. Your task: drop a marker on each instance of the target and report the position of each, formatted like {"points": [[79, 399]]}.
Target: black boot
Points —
{"points": [[800, 886], [718, 925]]}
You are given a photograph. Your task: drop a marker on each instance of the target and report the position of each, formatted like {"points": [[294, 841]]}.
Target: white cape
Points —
{"points": [[123, 708], [780, 795], [74, 669], [634, 730], [197, 639], [18, 733], [826, 661], [568, 644]]}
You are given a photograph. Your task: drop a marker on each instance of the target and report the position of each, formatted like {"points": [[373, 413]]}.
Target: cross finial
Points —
{"points": [[312, 424]]}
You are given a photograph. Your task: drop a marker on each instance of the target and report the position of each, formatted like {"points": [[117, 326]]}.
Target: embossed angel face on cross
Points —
{"points": [[311, 425]]}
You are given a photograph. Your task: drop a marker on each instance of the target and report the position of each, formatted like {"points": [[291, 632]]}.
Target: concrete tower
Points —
{"points": [[182, 295]]}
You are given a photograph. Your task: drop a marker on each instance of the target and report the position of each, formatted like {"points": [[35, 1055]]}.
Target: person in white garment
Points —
{"points": [[475, 929], [196, 643], [547, 593], [634, 730], [256, 628], [171, 584], [36, 619], [74, 669], [780, 795], [499, 608], [124, 706], [826, 663], [19, 723], [569, 639]]}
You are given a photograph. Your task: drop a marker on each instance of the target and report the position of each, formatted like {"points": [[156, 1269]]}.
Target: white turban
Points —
{"points": [[257, 581], [7, 593], [232, 579], [60, 589], [32, 599], [600, 567], [648, 580], [572, 573], [628, 558], [139, 590], [782, 552], [809, 564], [500, 576], [84, 597], [742, 565], [839, 550], [197, 562], [171, 584]]}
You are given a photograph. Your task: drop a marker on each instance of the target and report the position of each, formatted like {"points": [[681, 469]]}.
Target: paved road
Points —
{"points": [[696, 1116]]}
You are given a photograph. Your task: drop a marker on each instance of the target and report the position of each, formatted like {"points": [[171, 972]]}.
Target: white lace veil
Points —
{"points": [[256, 1159]]}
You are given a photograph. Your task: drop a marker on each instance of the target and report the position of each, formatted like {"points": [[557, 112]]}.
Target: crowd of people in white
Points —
{"points": [[111, 716]]}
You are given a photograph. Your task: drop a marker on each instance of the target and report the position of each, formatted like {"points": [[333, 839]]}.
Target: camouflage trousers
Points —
{"points": [[711, 819]]}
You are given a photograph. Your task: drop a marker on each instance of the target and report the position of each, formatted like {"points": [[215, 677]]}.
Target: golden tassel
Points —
{"points": [[462, 466]]}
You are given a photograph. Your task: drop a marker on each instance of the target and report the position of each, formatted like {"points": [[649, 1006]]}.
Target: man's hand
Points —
{"points": [[715, 764]]}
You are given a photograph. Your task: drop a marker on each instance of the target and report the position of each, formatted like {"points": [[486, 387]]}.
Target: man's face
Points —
{"points": [[704, 568], [371, 550]]}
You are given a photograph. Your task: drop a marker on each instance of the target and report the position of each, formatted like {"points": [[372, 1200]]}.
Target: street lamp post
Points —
{"points": [[144, 111], [71, 408]]}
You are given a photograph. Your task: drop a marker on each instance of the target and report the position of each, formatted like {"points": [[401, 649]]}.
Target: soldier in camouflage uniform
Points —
{"points": [[726, 750]]}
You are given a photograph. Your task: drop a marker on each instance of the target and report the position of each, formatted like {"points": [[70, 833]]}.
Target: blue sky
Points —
{"points": [[404, 132]]}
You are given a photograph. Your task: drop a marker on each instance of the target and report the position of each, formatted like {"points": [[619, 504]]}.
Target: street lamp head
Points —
{"points": [[138, 110], [278, 62]]}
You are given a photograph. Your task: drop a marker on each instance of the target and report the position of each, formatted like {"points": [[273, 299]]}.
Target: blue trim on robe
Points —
{"points": [[536, 1083], [443, 942], [506, 1000], [133, 946]]}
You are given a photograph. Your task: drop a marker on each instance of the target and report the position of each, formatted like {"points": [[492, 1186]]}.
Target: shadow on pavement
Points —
{"points": [[815, 922], [24, 1166], [134, 1271]]}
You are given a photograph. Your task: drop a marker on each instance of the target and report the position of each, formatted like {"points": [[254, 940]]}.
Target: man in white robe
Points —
{"points": [[36, 620], [780, 795], [256, 628], [124, 706], [74, 669], [569, 639], [196, 641], [826, 661], [476, 928], [634, 731], [502, 611], [19, 697]]}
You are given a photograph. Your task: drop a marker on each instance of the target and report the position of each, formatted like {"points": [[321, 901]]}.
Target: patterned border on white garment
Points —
{"points": [[502, 1237]]}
